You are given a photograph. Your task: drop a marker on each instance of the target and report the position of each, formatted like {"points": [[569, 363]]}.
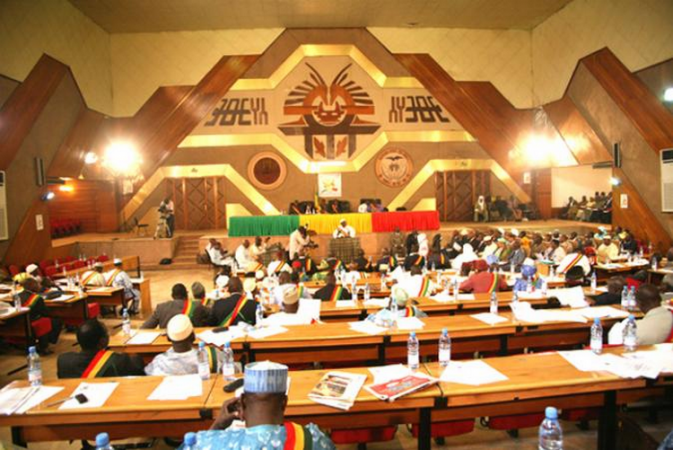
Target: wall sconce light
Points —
{"points": [[47, 196], [614, 181]]}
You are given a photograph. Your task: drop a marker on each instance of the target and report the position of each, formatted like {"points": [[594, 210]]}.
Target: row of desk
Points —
{"points": [[335, 343], [534, 381]]}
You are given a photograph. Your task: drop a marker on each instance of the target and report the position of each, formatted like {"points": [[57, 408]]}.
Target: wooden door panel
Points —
{"points": [[199, 202], [456, 193]]}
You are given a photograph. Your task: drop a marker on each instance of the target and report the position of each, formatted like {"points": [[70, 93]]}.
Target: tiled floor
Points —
{"points": [[161, 283]]}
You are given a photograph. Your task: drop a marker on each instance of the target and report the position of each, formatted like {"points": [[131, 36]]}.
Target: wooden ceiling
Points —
{"points": [[151, 16]]}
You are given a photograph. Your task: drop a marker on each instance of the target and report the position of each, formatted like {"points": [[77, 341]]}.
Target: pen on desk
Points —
{"points": [[81, 398]]}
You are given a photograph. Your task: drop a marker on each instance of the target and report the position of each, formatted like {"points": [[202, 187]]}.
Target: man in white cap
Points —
{"points": [[262, 407], [289, 315], [45, 282], [181, 358], [117, 277], [94, 277], [343, 230]]}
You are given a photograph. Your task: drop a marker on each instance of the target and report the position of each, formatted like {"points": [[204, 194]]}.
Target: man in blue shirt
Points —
{"points": [[262, 408]]}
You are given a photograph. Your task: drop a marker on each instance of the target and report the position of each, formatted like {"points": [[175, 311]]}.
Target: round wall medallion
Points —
{"points": [[394, 167], [267, 170]]}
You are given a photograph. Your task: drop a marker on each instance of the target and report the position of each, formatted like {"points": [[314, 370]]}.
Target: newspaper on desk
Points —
{"points": [[338, 389]]}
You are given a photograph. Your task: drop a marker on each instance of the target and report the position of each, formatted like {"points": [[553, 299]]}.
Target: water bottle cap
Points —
{"points": [[190, 438], [551, 413], [597, 320], [124, 311], [412, 334], [202, 344], [31, 350], [102, 439], [445, 331], [227, 344], [632, 317]]}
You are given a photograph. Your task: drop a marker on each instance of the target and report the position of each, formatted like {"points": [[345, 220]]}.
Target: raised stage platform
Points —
{"points": [[151, 251]]}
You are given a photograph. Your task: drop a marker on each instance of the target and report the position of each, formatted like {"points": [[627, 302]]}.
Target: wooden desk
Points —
{"points": [[106, 296], [603, 272], [534, 382], [129, 264], [17, 325], [126, 414], [368, 411], [74, 310]]}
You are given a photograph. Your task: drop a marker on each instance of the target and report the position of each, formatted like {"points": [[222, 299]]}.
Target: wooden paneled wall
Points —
{"points": [[94, 203], [23, 107], [69, 158], [30, 244]]}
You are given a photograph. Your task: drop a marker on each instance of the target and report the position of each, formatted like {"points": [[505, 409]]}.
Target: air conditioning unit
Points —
{"points": [[4, 230], [667, 180]]}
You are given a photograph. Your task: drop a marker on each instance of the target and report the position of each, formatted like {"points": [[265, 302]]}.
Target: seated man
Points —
{"points": [[607, 251], [483, 281], [343, 230], [388, 260], [217, 255], [331, 263], [574, 259], [242, 255], [238, 307], [199, 294], [181, 304], [117, 277], [94, 361], [405, 306], [30, 298], [305, 263], [516, 257], [614, 294], [363, 264], [287, 281], [416, 285], [467, 256], [278, 264], [259, 247], [657, 325], [261, 407], [413, 258], [555, 252], [43, 281], [182, 357], [332, 291], [94, 277], [352, 276], [438, 260], [290, 307]]}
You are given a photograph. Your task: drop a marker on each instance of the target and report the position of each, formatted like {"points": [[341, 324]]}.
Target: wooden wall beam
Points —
{"points": [[23, 107], [648, 115], [69, 158]]}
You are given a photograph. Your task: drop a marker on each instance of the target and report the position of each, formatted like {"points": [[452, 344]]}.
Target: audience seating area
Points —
{"points": [[64, 227], [51, 267]]}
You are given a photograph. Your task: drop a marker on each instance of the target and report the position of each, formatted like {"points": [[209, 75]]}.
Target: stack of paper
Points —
{"points": [[409, 323], [398, 387], [443, 297], [338, 389], [377, 302], [524, 312], [573, 297], [96, 394], [662, 355], [179, 387], [366, 327], [473, 373], [603, 311], [20, 400], [489, 318], [264, 332], [143, 338], [631, 365]]}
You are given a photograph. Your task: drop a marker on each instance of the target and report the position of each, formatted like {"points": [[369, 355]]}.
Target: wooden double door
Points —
{"points": [[457, 191], [199, 202]]}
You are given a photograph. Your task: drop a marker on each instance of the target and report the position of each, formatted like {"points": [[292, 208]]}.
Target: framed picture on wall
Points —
{"points": [[329, 185]]}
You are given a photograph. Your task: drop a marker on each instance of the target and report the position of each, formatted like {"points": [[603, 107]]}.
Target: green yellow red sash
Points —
{"points": [[308, 265], [229, 320], [88, 277], [409, 311], [494, 283], [573, 263], [392, 262], [98, 364], [281, 265], [205, 301], [336, 293], [425, 287], [188, 308], [259, 266], [212, 358], [112, 277], [296, 437], [418, 260], [337, 265], [301, 291], [30, 301]]}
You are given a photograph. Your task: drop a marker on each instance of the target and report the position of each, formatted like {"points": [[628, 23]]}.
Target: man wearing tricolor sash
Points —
{"points": [[181, 358], [30, 298], [572, 260], [238, 307], [262, 409], [413, 258], [94, 277], [117, 277], [483, 281], [181, 304], [332, 291], [94, 360], [405, 307], [278, 265], [417, 285]]}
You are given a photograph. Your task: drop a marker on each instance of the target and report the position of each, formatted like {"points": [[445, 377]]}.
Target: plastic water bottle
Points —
{"points": [[15, 296], [543, 288], [103, 442], [354, 292], [594, 282], [126, 322], [259, 316], [189, 443], [515, 297], [632, 298], [655, 265], [413, 358], [552, 272], [596, 342], [551, 434], [494, 303], [367, 292], [34, 368], [630, 334], [625, 298], [228, 370], [444, 348], [202, 361]]}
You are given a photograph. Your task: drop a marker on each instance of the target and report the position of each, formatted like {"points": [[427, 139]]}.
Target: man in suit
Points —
{"points": [[238, 307], [614, 294], [332, 291], [181, 304], [30, 298], [94, 361]]}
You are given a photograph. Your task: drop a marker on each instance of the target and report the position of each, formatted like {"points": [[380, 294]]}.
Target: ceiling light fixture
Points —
{"points": [[668, 95]]}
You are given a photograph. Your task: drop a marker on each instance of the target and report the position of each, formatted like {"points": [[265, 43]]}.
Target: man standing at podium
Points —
{"points": [[343, 230]]}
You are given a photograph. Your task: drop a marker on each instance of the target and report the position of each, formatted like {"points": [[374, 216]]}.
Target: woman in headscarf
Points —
{"points": [[467, 256]]}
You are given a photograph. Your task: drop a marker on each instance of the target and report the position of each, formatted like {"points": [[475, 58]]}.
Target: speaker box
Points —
{"points": [[40, 178], [617, 154]]}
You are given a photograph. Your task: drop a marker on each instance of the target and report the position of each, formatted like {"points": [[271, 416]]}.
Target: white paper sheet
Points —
{"points": [[96, 393], [409, 323], [7, 312], [366, 327], [535, 295], [265, 332], [473, 373], [662, 358], [573, 297], [489, 318], [465, 297], [309, 308], [346, 304], [62, 298], [219, 339], [20, 400], [443, 297], [143, 338], [384, 374], [377, 302], [179, 387], [603, 311], [632, 367], [583, 360]]}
